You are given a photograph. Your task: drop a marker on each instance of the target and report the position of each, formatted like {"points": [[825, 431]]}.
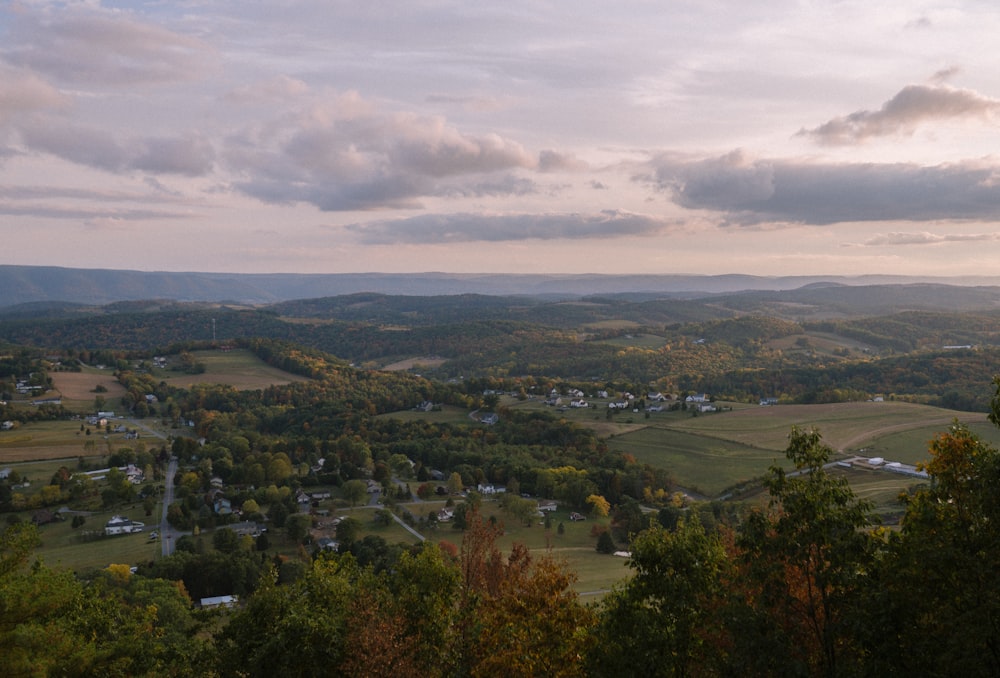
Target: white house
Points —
{"points": [[697, 398], [122, 525], [218, 601]]}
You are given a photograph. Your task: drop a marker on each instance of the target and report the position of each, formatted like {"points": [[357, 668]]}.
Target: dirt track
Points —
{"points": [[870, 435]]}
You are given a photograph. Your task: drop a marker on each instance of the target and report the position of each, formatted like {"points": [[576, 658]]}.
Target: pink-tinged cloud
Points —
{"points": [[23, 92], [749, 191], [912, 106], [452, 228], [925, 238], [346, 155], [86, 45]]}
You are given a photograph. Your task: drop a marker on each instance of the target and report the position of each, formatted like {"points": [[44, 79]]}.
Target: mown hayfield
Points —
{"points": [[79, 386], [45, 440], [880, 488], [911, 446], [701, 463], [846, 427], [714, 451], [411, 363], [240, 369]]}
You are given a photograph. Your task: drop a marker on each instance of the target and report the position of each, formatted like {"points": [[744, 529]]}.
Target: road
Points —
{"points": [[408, 528], [167, 536]]}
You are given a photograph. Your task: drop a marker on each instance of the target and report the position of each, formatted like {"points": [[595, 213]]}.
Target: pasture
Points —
{"points": [[46, 440], [715, 451], [239, 368], [77, 388]]}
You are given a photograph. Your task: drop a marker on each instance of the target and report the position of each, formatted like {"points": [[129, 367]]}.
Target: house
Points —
{"points": [[547, 506], [4, 473], [122, 525], [444, 515], [697, 398], [490, 489], [218, 601], [319, 496], [7, 425], [578, 403], [327, 544], [247, 528], [425, 406], [706, 407], [373, 487], [222, 506], [490, 419], [767, 402], [134, 474], [656, 397]]}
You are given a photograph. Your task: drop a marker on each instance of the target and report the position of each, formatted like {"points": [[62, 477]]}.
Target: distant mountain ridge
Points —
{"points": [[49, 284]]}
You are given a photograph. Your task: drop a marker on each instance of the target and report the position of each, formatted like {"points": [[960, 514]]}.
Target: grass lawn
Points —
{"points": [[63, 546]]}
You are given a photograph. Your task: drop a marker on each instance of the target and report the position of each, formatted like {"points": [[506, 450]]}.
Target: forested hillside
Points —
{"points": [[937, 357]]}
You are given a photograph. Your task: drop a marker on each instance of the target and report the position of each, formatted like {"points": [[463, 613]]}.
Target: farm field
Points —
{"points": [[700, 463], [846, 427], [240, 369], [45, 440], [77, 388], [713, 452]]}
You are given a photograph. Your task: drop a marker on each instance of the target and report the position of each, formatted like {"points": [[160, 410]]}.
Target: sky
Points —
{"points": [[325, 136]]}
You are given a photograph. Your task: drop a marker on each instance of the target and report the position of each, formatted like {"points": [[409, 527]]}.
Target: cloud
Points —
{"points": [[554, 161], [277, 89], [190, 156], [451, 228], [76, 213], [93, 147], [750, 191], [81, 44], [345, 155], [925, 238], [913, 105], [23, 92], [82, 145]]}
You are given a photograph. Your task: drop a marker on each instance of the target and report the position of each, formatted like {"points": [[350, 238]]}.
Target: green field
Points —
{"points": [[238, 368], [715, 451], [701, 463], [63, 546], [47, 440]]}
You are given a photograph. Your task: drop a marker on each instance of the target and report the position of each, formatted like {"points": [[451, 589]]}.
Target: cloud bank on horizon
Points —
{"points": [[320, 136]]}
